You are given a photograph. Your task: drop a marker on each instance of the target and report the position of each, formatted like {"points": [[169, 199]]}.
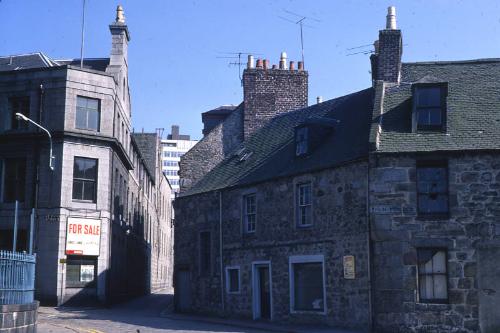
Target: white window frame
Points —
{"points": [[297, 204], [301, 259], [244, 212], [228, 280]]}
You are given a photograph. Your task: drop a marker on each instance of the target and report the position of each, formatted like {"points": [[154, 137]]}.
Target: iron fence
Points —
{"points": [[17, 277]]}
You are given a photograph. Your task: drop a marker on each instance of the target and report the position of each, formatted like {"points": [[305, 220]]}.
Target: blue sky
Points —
{"points": [[174, 70]]}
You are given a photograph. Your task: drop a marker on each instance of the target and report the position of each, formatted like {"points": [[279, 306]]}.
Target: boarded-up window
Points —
{"points": [[205, 252], [432, 275], [308, 286], [233, 279]]}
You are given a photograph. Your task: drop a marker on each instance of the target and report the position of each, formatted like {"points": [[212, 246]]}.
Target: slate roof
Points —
{"points": [[26, 61], [98, 64], [221, 110], [271, 150], [473, 108], [40, 60], [147, 145]]}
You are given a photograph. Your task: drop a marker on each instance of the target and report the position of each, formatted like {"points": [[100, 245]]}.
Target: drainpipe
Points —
{"points": [[220, 253], [368, 243], [36, 176]]}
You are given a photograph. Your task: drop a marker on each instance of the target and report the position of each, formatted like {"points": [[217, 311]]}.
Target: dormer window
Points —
{"points": [[301, 141], [429, 107]]}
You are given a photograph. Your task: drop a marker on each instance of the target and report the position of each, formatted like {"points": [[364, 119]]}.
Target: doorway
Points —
{"points": [[183, 290], [262, 290]]}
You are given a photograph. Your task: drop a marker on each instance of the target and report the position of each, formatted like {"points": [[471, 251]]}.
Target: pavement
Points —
{"points": [[152, 313]]}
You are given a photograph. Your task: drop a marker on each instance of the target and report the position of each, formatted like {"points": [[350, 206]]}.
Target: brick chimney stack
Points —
{"points": [[386, 61], [268, 91]]}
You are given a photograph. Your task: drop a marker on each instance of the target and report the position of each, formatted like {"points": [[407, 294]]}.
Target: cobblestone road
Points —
{"points": [[139, 316]]}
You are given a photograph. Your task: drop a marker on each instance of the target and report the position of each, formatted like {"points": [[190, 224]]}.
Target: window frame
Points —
{"points": [[305, 259], [446, 274], [15, 124], [245, 213], [298, 206], [443, 87], [86, 114], [228, 280], [303, 144], [433, 164], [80, 261], [20, 195], [96, 181]]}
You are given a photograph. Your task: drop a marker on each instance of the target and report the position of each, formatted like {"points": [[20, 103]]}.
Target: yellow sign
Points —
{"points": [[349, 268]]}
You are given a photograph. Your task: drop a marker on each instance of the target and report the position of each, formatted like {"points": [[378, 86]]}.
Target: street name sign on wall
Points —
{"points": [[83, 236]]}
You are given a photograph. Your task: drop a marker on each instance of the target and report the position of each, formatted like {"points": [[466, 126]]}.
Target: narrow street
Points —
{"points": [[140, 315]]}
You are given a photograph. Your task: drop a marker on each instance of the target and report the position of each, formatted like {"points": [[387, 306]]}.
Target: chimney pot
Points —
{"points": [[266, 63], [391, 18], [250, 63], [120, 17], [292, 65], [259, 63], [283, 60], [319, 99], [301, 66]]}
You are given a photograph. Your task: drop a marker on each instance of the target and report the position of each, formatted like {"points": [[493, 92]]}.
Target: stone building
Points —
{"points": [[376, 211], [101, 215]]}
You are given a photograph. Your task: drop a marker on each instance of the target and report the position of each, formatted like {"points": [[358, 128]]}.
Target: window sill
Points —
{"points": [[424, 307], [304, 226], [310, 312], [430, 217], [83, 201]]}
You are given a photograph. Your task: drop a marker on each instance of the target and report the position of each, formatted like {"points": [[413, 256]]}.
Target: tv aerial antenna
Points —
{"points": [[236, 59], [299, 20]]}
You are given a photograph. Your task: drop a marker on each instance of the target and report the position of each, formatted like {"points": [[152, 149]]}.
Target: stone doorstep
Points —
{"points": [[258, 325]]}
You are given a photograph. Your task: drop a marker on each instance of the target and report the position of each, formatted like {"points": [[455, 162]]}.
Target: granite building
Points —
{"points": [[102, 222], [375, 211]]}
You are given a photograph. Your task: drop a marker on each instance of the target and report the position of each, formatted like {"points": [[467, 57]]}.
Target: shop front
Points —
{"points": [[82, 253]]}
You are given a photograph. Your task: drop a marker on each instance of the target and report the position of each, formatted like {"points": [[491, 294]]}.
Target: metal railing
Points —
{"points": [[17, 277]]}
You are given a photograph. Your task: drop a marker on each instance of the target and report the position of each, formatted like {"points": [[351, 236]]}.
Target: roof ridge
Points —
{"points": [[454, 62]]}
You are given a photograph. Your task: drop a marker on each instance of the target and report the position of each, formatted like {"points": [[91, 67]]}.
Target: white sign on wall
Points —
{"points": [[83, 236]]}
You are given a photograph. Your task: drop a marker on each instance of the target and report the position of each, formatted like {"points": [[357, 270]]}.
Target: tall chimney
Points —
{"points": [[120, 36], [283, 60], [386, 61], [250, 63], [391, 18]]}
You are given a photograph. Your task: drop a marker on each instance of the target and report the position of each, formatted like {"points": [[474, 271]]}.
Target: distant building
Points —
{"points": [[103, 215], [173, 148]]}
